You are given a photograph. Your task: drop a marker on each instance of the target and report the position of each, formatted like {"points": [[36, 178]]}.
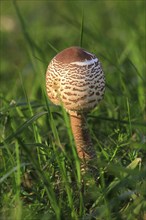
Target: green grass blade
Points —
{"points": [[82, 28], [52, 47]]}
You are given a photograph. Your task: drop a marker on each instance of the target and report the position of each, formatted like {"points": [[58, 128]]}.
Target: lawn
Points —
{"points": [[40, 174]]}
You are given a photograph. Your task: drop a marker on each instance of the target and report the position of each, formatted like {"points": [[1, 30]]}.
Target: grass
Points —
{"points": [[39, 170]]}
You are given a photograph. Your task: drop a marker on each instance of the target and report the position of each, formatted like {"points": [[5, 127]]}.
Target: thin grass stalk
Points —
{"points": [[103, 187], [52, 125], [18, 213], [82, 28], [129, 116]]}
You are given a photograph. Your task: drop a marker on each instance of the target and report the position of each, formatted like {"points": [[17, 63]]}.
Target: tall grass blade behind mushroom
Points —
{"points": [[82, 28]]}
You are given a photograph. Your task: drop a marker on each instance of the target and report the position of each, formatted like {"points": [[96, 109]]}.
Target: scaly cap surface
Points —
{"points": [[75, 78]]}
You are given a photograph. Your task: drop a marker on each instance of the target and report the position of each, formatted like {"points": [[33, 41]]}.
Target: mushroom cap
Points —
{"points": [[75, 79]]}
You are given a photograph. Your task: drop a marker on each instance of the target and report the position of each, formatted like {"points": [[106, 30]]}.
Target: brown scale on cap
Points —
{"points": [[75, 78]]}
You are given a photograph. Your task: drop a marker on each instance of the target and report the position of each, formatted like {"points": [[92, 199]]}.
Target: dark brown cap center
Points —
{"points": [[74, 54]]}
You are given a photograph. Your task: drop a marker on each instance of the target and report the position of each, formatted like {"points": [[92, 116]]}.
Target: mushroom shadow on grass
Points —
{"points": [[75, 77]]}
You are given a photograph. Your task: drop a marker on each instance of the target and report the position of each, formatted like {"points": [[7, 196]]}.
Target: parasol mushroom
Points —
{"points": [[75, 78]]}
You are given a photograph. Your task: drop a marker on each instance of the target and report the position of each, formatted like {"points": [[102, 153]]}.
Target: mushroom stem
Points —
{"points": [[82, 138]]}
